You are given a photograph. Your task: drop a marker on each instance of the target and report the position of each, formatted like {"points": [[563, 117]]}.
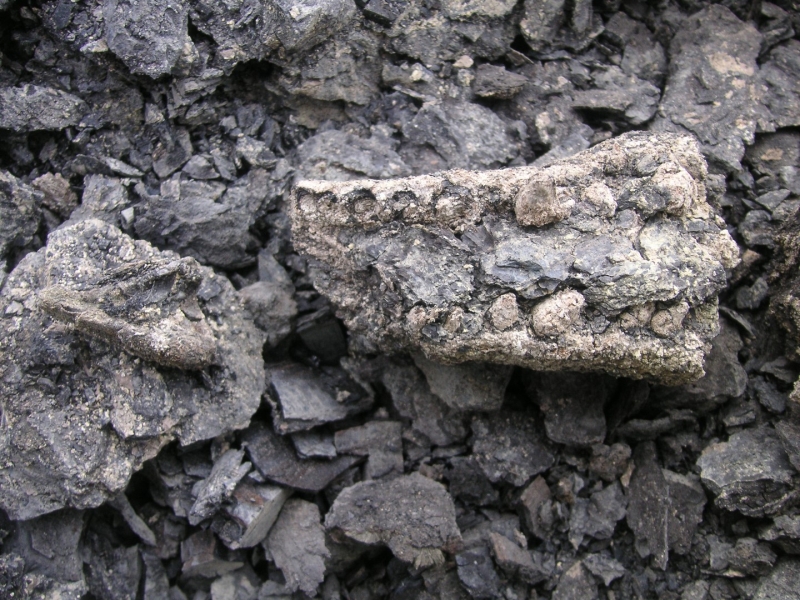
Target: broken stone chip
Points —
{"points": [[750, 473], [610, 260], [297, 546], [276, 459], [253, 510], [413, 515]]}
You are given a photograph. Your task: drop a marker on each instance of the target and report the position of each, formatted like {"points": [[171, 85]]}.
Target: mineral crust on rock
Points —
{"points": [[612, 257], [111, 349]]}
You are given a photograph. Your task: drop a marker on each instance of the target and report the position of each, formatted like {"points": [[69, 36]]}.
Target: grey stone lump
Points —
{"points": [[621, 276], [121, 398], [413, 515]]}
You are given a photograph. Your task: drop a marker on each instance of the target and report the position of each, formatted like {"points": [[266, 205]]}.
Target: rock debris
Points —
{"points": [[490, 299]]}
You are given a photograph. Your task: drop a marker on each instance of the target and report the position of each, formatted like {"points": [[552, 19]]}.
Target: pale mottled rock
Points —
{"points": [[419, 263]]}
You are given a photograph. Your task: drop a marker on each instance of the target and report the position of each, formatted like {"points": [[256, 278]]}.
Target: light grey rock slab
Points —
{"points": [[625, 282]]}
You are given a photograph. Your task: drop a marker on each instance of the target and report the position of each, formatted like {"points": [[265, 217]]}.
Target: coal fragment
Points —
{"points": [[750, 473], [379, 441], [275, 458], [167, 312], [442, 285], [509, 447], [296, 544], [304, 398], [251, 510], [37, 108], [228, 470], [468, 483], [466, 387], [413, 515], [713, 57]]}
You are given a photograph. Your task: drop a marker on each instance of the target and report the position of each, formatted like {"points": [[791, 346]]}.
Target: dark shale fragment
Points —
{"points": [[466, 387], [297, 545], [379, 441], [509, 447], [275, 458], [750, 473], [304, 398], [251, 512], [412, 515]]}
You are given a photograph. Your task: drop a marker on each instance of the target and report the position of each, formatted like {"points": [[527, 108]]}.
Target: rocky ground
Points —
{"points": [[221, 383]]}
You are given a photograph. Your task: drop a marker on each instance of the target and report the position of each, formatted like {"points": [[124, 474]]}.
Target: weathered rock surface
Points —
{"points": [[147, 322], [623, 280], [713, 73], [412, 515], [36, 108], [20, 213], [750, 473]]}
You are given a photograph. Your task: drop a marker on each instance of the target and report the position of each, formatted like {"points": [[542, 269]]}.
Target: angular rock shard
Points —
{"points": [[297, 545], [622, 280], [750, 473]]}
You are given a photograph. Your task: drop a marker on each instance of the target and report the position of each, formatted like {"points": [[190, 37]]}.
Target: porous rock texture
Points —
{"points": [[613, 257], [112, 349]]}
